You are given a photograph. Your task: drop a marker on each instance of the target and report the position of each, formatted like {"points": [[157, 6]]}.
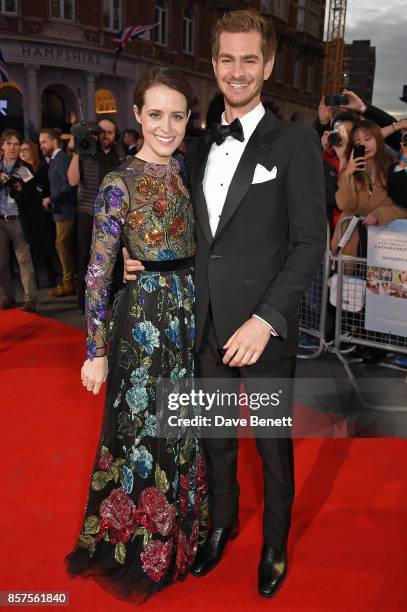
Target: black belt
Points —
{"points": [[8, 218], [167, 265]]}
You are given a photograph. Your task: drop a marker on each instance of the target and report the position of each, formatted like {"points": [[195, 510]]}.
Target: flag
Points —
{"points": [[4, 78], [125, 36]]}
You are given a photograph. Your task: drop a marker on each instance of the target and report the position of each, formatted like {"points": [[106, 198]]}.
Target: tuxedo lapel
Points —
{"points": [[198, 196], [243, 175]]}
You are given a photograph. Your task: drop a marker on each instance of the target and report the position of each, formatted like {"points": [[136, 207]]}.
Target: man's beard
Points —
{"points": [[244, 101]]}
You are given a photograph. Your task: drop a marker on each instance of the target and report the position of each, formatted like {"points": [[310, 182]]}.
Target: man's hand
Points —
{"points": [[324, 113], [247, 343], [355, 103], [3, 176], [94, 374], [46, 202], [130, 266]]}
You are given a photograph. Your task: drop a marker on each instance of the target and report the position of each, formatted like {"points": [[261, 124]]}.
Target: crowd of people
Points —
{"points": [[47, 197], [365, 167]]}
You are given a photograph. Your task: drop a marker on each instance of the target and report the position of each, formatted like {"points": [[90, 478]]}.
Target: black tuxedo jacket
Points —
{"points": [[270, 239]]}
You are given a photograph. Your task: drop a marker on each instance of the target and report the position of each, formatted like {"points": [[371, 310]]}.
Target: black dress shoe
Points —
{"points": [[211, 552], [272, 570]]}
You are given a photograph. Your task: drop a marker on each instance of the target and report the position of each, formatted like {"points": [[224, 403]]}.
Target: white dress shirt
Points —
{"points": [[222, 162]]}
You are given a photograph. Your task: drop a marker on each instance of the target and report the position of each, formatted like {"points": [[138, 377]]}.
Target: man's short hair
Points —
{"points": [[7, 134], [53, 133], [133, 133], [246, 21]]}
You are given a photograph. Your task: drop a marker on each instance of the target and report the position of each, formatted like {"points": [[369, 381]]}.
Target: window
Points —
{"points": [[161, 18], [310, 79], [8, 6], [63, 9], [297, 74], [105, 102], [188, 32], [112, 15], [278, 8]]}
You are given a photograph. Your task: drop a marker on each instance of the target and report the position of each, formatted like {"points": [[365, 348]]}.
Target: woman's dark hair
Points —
{"points": [[170, 77], [382, 158]]}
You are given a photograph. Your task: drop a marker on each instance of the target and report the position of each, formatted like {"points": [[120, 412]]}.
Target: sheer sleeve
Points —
{"points": [[111, 207]]}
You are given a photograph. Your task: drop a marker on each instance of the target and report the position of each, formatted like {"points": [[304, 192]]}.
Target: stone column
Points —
{"points": [[125, 114], [90, 110], [31, 102]]}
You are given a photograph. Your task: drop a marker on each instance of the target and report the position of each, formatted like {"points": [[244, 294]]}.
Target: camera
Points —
{"points": [[336, 100], [11, 180], [404, 140], [337, 136], [85, 137]]}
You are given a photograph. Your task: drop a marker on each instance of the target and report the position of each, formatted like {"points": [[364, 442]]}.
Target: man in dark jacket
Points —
{"points": [[62, 204], [15, 196], [87, 172]]}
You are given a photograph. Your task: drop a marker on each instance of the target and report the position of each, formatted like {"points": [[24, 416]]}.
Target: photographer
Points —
{"points": [[88, 171], [16, 195], [62, 205]]}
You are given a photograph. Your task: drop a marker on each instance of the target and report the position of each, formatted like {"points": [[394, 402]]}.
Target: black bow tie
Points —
{"points": [[219, 132]]}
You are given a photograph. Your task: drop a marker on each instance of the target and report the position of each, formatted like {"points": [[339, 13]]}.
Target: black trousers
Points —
{"points": [[84, 234], [221, 454]]}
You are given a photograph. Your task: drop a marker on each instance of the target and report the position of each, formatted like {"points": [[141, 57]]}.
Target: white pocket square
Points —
{"points": [[261, 174]]}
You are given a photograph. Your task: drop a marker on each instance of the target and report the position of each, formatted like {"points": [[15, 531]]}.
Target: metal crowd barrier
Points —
{"points": [[313, 307], [351, 273]]}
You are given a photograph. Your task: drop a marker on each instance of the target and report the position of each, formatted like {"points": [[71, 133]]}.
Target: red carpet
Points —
{"points": [[348, 542]]}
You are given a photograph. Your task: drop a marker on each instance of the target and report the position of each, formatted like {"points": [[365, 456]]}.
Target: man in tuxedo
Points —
{"points": [[61, 203], [258, 193]]}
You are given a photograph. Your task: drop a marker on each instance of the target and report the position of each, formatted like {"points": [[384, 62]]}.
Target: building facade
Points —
{"points": [[60, 56], [359, 65]]}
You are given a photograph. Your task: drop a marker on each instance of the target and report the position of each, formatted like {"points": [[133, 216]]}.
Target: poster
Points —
{"points": [[386, 276]]}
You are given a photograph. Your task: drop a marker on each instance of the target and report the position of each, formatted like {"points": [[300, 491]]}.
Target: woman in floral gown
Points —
{"points": [[146, 508]]}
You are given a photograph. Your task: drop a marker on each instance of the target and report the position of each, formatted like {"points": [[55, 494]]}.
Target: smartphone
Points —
{"points": [[336, 100], [359, 151]]}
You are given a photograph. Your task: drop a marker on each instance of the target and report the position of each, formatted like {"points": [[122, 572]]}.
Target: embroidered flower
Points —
{"points": [[156, 558], [147, 336], [172, 332], [167, 254], [127, 479], [105, 461], [137, 400], [139, 376], [154, 504], [119, 517], [142, 461], [149, 281]]}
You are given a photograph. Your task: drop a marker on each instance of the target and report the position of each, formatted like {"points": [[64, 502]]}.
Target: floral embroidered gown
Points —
{"points": [[147, 503]]}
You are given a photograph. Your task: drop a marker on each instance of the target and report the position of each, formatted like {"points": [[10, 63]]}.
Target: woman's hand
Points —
{"points": [[94, 373], [357, 164], [370, 220], [324, 112]]}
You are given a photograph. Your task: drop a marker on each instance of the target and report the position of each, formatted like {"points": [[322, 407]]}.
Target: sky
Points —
{"points": [[384, 22]]}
